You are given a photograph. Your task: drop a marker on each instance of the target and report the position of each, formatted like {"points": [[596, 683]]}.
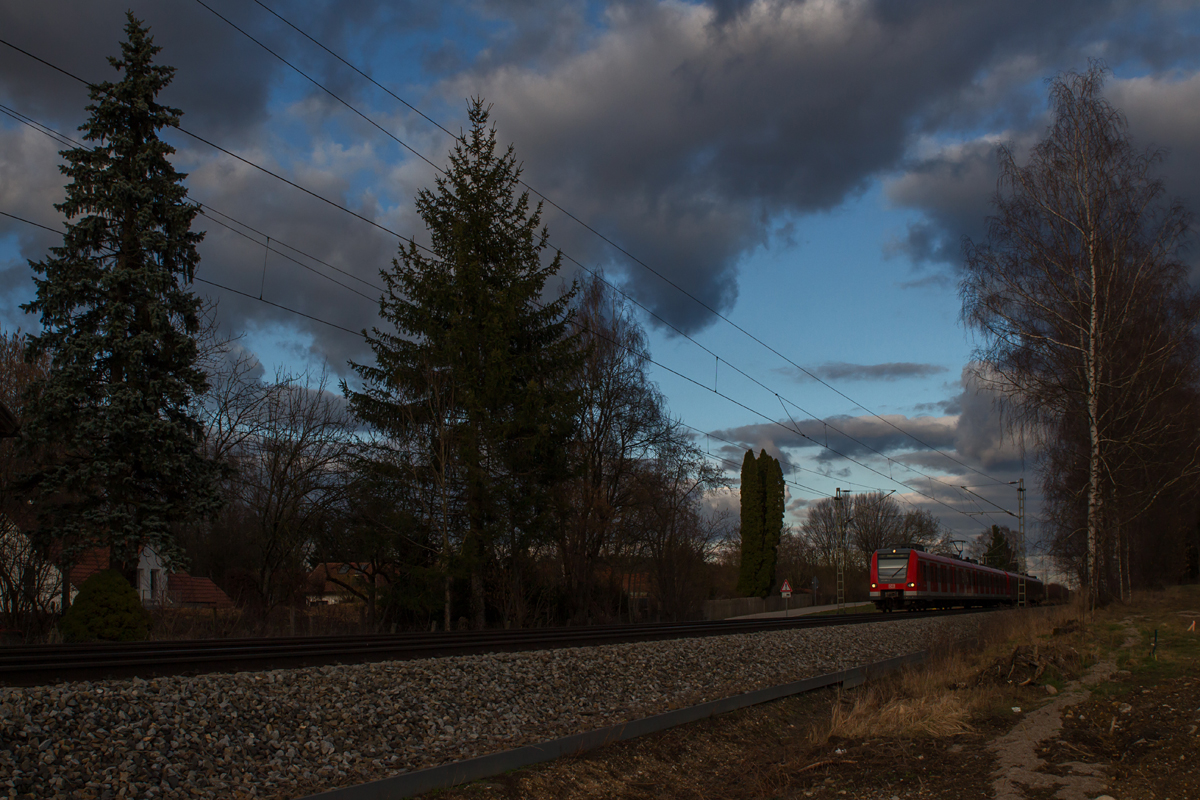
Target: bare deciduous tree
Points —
{"points": [[875, 522], [622, 423], [1082, 302], [290, 476]]}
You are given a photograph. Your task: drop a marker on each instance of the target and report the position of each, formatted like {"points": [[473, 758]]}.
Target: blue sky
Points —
{"points": [[808, 169]]}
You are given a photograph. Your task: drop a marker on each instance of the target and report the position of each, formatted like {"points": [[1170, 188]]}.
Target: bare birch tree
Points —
{"points": [[1080, 298]]}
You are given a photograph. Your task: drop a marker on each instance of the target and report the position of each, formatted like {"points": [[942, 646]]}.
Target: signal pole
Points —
{"points": [[840, 498]]}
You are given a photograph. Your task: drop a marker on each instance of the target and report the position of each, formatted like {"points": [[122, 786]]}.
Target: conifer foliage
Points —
{"points": [[114, 422], [762, 523], [479, 361]]}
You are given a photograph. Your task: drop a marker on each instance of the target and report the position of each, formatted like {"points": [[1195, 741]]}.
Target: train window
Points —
{"points": [[892, 570], [921, 571]]}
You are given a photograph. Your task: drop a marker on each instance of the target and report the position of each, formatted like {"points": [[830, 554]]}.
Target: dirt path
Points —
{"points": [[1018, 765]]}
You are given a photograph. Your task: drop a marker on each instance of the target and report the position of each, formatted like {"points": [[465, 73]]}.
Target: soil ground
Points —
{"points": [[1128, 730]]}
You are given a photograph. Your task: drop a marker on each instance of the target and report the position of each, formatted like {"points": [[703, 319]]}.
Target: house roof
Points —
{"points": [[88, 564], [191, 591]]}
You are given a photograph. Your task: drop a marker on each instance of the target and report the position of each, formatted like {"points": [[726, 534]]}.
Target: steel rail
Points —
{"points": [[26, 665]]}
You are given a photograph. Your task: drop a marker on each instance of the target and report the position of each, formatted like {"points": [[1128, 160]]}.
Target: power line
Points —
{"points": [[208, 210], [740, 371], [571, 216], [795, 429], [628, 349], [229, 153]]}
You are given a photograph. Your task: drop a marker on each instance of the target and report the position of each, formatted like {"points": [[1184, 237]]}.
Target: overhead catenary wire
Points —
{"points": [[717, 358], [696, 383], [575, 219], [208, 211], [639, 354], [662, 366]]}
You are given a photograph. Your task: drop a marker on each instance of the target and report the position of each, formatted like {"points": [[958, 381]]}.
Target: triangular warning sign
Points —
{"points": [[787, 587]]}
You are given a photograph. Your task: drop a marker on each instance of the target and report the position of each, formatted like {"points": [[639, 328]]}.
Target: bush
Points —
{"points": [[107, 609]]}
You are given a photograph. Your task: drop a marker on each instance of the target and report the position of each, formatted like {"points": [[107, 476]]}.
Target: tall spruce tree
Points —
{"points": [[114, 423], [474, 336], [762, 523]]}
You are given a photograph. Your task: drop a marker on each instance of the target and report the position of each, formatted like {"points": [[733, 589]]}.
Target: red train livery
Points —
{"points": [[909, 577]]}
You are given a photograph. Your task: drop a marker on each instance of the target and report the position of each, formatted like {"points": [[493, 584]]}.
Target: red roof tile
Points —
{"points": [[189, 591], [88, 564]]}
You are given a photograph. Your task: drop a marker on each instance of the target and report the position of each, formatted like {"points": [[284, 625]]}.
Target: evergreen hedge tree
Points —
{"points": [[752, 527], [762, 501], [771, 475], [475, 344], [107, 609], [114, 425]]}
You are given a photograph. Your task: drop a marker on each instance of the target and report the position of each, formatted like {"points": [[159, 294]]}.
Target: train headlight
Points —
{"points": [[912, 586], [874, 585]]}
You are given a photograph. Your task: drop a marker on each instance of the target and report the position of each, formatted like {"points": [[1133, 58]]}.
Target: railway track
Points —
{"points": [[32, 665]]}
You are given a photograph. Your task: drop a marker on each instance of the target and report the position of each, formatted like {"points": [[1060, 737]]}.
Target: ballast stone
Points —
{"points": [[284, 732]]}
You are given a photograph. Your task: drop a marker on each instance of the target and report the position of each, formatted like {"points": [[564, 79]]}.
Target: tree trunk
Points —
{"points": [[1094, 465]]}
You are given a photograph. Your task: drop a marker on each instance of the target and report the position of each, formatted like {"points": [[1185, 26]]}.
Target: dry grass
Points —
{"points": [[940, 698]]}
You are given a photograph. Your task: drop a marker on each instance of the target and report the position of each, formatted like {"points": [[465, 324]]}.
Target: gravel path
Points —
{"points": [[288, 733]]}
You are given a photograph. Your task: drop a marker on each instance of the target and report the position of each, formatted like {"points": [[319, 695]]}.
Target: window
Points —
{"points": [[892, 569]]}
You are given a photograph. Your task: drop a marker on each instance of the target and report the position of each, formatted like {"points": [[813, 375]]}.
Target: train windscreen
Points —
{"points": [[892, 569]]}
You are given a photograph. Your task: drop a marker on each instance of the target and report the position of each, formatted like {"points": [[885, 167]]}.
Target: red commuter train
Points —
{"points": [[909, 577]]}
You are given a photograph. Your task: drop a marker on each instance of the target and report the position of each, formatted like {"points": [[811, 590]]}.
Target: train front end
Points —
{"points": [[893, 577]]}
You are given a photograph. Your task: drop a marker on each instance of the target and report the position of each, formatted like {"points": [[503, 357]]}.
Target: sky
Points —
{"points": [[783, 187]]}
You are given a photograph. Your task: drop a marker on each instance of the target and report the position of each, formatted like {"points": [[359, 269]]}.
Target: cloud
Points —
{"points": [[684, 131], [953, 189], [970, 431], [896, 370], [952, 185], [1164, 112], [690, 134], [857, 437]]}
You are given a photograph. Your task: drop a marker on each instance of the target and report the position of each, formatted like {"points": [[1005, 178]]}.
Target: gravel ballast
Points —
{"points": [[288, 733]]}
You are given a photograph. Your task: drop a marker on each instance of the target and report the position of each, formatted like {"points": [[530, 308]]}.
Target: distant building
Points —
{"points": [[327, 584], [155, 585]]}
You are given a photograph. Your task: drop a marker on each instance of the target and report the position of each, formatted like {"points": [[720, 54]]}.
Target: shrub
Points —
{"points": [[107, 609]]}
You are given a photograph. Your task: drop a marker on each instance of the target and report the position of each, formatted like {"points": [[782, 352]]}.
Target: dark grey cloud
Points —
{"points": [[953, 187], [948, 407], [892, 371], [830, 439], [968, 446], [1161, 111], [954, 191], [684, 139], [969, 429], [687, 133], [221, 83]]}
